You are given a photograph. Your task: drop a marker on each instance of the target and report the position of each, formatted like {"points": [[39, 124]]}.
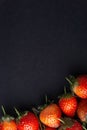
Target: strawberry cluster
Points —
{"points": [[68, 113]]}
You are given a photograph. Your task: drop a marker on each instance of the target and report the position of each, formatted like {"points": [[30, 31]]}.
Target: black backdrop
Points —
{"points": [[41, 42]]}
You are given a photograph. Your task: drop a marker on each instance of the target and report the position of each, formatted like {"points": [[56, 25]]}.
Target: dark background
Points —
{"points": [[41, 42]]}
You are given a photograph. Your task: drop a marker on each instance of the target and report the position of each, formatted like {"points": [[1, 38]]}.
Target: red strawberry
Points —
{"points": [[27, 121], [50, 116], [79, 85], [50, 128], [7, 122], [8, 125], [68, 104], [82, 110], [70, 124]]}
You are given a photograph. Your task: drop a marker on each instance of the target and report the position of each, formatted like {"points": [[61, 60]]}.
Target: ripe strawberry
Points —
{"points": [[79, 85], [70, 124], [7, 122], [68, 104], [50, 115], [50, 128], [82, 110], [27, 121]]}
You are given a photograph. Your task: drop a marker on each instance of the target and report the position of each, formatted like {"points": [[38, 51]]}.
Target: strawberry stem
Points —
{"points": [[61, 120], [6, 117], [84, 128], [35, 111], [3, 110], [69, 81], [17, 112]]}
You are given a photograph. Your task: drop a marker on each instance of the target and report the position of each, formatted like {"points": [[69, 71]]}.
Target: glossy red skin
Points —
{"points": [[49, 115], [80, 88], [28, 122], [82, 110], [68, 105], [8, 125], [75, 126]]}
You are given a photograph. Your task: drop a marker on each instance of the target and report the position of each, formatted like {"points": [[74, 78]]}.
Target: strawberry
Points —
{"points": [[50, 128], [82, 110], [7, 122], [27, 121], [68, 104], [70, 124], [79, 85], [50, 115]]}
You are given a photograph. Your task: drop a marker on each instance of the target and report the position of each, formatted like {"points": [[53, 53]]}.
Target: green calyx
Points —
{"points": [[6, 117], [67, 95], [68, 122]]}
